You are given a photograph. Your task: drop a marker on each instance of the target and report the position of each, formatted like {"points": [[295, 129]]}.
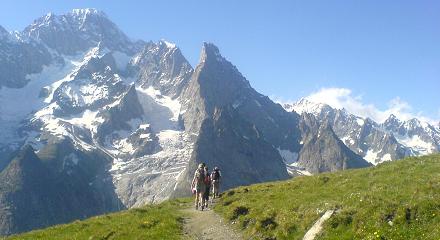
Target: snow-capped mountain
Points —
{"points": [[110, 123], [376, 142], [78, 30]]}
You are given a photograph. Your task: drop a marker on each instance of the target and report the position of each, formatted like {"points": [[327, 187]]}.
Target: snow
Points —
{"points": [[83, 12], [74, 64], [91, 93], [169, 44], [371, 156], [386, 157], [306, 106], [416, 143], [166, 109], [144, 135], [88, 120], [124, 146], [303, 172], [360, 121], [348, 140], [19, 103], [151, 177], [290, 159]]}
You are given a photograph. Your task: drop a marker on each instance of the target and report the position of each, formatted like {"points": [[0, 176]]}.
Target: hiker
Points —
{"points": [[198, 186], [215, 179], [207, 186]]}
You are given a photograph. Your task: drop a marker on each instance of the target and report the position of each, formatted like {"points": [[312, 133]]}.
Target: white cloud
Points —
{"points": [[343, 98]]}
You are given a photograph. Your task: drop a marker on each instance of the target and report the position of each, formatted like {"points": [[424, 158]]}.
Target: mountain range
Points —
{"points": [[376, 142], [94, 122]]}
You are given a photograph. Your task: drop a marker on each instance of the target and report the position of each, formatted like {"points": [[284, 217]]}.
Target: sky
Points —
{"points": [[376, 55]]}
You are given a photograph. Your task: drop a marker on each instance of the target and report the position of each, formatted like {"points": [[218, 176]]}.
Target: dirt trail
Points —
{"points": [[207, 225]]}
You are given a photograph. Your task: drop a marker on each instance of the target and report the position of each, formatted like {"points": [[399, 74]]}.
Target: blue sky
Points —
{"points": [[382, 52]]}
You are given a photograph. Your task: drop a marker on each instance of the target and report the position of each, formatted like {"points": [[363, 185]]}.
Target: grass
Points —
{"points": [[163, 221], [395, 200]]}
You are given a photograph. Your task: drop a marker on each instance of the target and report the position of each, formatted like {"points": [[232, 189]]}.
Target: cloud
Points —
{"points": [[344, 98]]}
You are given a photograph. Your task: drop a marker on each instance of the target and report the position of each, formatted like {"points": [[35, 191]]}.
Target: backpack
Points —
{"points": [[207, 179], [200, 175], [215, 175]]}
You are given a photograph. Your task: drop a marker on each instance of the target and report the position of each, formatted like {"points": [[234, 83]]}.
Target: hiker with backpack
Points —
{"points": [[207, 186], [215, 180], [198, 186]]}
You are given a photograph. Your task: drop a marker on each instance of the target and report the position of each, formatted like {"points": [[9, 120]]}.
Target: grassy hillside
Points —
{"points": [[162, 221], [395, 200]]}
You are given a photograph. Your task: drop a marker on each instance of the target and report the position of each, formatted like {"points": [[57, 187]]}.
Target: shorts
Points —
{"points": [[200, 188], [206, 194]]}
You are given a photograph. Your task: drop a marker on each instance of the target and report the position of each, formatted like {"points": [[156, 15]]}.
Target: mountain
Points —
{"points": [[19, 58], [322, 150], [111, 123], [217, 108], [376, 142], [61, 185], [77, 31]]}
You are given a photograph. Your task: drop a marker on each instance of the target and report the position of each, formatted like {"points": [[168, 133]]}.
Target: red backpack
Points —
{"points": [[207, 179]]}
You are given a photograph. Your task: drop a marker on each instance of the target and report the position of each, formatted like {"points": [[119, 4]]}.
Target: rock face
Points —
{"points": [[119, 124], [163, 67], [220, 107], [62, 187], [77, 31], [19, 58], [323, 151]]}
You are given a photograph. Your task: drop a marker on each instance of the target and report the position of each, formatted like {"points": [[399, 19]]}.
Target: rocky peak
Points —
{"points": [[317, 109], [77, 31], [210, 52], [166, 44], [83, 13], [218, 76], [392, 123], [162, 66], [24, 168], [392, 119], [323, 150], [413, 124]]}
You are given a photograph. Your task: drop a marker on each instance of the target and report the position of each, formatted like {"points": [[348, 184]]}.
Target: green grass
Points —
{"points": [[395, 200], [163, 221]]}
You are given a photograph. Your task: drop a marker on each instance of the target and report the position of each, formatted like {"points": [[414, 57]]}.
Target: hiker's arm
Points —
{"points": [[192, 183]]}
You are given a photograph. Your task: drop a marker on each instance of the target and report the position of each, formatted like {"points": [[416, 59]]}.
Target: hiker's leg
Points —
{"points": [[213, 189], [216, 189], [196, 200], [201, 200]]}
